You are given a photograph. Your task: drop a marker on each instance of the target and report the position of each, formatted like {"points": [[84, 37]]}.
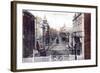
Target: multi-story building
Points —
{"points": [[81, 29], [28, 34]]}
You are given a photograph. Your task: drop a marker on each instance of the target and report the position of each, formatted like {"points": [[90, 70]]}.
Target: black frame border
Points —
{"points": [[14, 35]]}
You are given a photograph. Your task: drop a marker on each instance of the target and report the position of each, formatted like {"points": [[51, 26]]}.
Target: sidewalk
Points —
{"points": [[51, 58], [79, 57]]}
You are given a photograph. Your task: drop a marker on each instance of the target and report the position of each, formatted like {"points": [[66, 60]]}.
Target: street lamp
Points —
{"points": [[44, 27], [75, 48]]}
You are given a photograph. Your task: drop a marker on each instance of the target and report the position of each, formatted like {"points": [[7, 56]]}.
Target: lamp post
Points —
{"points": [[74, 45], [44, 25]]}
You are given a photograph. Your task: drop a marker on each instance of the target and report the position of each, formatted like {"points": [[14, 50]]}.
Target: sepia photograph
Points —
{"points": [[52, 36]]}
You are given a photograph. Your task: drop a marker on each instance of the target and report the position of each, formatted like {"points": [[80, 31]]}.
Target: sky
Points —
{"points": [[56, 20]]}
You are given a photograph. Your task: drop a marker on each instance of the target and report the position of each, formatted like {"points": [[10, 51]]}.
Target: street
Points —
{"points": [[57, 51]]}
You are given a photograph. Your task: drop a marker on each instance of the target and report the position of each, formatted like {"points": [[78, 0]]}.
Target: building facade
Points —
{"points": [[28, 34], [81, 29]]}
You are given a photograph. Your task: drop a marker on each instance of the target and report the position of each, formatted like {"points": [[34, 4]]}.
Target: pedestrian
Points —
{"points": [[57, 41], [37, 46], [78, 45]]}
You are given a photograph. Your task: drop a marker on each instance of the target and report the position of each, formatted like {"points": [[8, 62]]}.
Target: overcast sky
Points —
{"points": [[56, 20]]}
